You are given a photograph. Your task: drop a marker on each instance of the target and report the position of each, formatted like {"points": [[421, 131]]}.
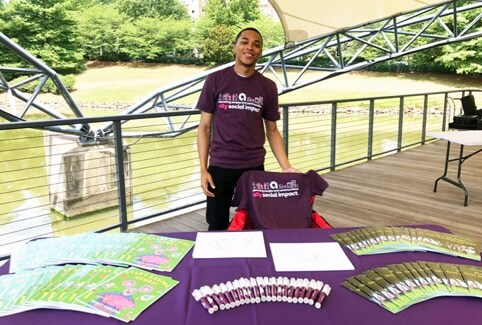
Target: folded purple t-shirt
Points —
{"points": [[278, 200]]}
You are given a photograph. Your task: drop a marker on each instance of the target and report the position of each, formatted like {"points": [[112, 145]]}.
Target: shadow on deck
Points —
{"points": [[394, 190]]}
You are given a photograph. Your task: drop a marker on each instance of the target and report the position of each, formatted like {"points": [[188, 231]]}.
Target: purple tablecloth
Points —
{"points": [[342, 307]]}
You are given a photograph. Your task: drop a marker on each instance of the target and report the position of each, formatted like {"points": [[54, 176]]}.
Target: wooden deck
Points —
{"points": [[393, 190]]}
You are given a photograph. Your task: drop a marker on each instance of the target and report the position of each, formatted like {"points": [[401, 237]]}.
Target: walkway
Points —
{"points": [[393, 190]]}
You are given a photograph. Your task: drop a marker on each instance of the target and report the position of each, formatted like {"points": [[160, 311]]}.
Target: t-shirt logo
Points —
{"points": [[240, 101], [275, 189]]}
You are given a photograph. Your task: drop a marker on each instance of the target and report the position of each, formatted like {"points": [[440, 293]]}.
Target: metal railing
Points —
{"points": [[51, 184], [348, 49]]}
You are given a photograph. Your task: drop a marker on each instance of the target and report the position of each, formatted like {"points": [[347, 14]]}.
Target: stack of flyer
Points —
{"points": [[110, 291], [146, 251], [110, 281], [378, 240], [398, 286]]}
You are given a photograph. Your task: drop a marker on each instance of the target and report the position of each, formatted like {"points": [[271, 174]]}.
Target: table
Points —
{"points": [[342, 307], [464, 138]]}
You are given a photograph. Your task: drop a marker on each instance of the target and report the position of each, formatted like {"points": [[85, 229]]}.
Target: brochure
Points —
{"points": [[105, 290], [146, 251], [379, 240], [396, 287], [125, 295]]}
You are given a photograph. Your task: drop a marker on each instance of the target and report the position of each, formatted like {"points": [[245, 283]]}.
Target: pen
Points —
{"points": [[234, 293], [297, 290], [255, 289], [309, 291], [267, 288], [303, 285], [286, 285], [248, 294], [279, 289], [239, 290], [323, 294], [211, 297], [204, 302], [291, 290], [262, 288], [221, 297], [274, 288], [316, 291], [228, 295]]}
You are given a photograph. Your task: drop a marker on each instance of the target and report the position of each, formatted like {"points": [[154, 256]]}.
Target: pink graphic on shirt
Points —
{"points": [[257, 194]]}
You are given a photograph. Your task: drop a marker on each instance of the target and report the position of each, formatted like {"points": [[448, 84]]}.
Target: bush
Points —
{"points": [[390, 66], [68, 81]]}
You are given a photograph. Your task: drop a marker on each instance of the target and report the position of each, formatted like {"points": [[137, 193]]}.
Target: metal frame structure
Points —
{"points": [[331, 55], [166, 178]]}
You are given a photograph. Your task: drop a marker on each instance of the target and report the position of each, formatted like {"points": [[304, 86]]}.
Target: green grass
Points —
{"points": [[113, 85], [128, 82]]}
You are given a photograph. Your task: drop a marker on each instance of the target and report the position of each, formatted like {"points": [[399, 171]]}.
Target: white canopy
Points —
{"points": [[304, 19]]}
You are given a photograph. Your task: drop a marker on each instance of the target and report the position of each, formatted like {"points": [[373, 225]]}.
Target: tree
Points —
{"points": [[100, 29], [217, 47], [217, 29], [220, 13], [165, 38], [152, 8], [464, 57], [271, 30], [461, 57], [45, 29], [248, 10]]}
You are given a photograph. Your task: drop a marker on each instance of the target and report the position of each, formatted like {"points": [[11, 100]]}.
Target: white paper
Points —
{"points": [[309, 257], [229, 244]]}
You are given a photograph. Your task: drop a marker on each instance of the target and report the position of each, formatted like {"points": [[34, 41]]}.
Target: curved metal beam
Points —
{"points": [[343, 51]]}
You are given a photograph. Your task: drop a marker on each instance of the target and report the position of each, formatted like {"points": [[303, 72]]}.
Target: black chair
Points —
{"points": [[469, 107], [471, 118]]}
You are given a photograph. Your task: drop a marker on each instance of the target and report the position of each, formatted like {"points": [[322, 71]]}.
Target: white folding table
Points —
{"points": [[463, 138]]}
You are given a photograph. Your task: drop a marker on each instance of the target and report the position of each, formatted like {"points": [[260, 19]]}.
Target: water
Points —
{"points": [[165, 171]]}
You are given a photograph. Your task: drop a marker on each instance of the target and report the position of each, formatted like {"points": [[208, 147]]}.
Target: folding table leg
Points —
{"points": [[447, 159], [458, 182]]}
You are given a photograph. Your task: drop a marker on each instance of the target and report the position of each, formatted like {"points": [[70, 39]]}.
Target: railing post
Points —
{"points": [[121, 189], [424, 123], [333, 137], [400, 123], [444, 118], [371, 118], [285, 128]]}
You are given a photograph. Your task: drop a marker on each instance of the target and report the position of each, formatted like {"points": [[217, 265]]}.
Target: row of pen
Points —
{"points": [[261, 289]]}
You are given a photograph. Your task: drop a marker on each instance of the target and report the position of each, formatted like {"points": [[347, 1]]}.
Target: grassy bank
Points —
{"points": [[121, 84]]}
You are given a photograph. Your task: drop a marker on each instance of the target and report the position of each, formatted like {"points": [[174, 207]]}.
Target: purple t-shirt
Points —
{"points": [[278, 200], [239, 106]]}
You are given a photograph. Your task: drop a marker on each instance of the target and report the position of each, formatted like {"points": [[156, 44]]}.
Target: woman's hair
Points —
{"points": [[248, 28]]}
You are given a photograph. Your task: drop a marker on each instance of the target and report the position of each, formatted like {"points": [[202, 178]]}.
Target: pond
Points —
{"points": [[165, 172]]}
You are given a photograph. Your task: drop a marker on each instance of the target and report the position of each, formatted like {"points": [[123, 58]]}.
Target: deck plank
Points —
{"points": [[393, 190]]}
